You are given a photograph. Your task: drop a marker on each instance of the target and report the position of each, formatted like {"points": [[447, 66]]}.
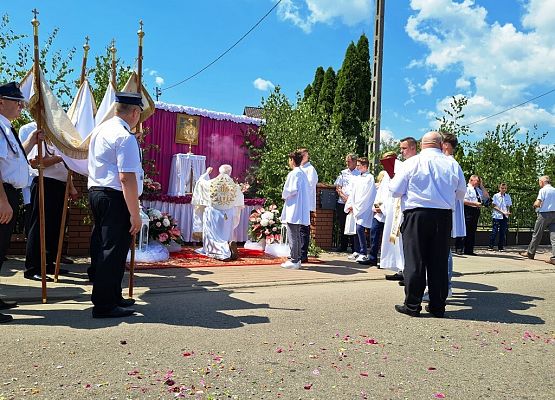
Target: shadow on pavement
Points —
{"points": [[486, 303], [201, 307]]}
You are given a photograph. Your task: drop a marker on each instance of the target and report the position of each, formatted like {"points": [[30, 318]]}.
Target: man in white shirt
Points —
{"points": [[312, 175], [545, 205], [428, 183], [343, 185], [296, 208], [501, 204], [14, 171], [115, 184]]}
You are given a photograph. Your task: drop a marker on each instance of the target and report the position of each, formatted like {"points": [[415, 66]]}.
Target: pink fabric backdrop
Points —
{"points": [[220, 141]]}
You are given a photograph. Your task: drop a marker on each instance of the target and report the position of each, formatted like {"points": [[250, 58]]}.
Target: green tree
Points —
{"points": [[101, 73], [365, 76], [317, 84], [345, 112], [287, 128], [326, 96]]}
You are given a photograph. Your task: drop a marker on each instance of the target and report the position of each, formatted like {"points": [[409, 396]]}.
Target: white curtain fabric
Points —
{"points": [[183, 213], [106, 104], [180, 173], [82, 110]]}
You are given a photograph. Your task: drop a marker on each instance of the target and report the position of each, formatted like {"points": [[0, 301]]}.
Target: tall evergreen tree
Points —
{"points": [[346, 115], [307, 92], [326, 97], [365, 86], [317, 84]]}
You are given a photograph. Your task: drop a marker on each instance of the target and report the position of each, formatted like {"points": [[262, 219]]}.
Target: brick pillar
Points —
{"points": [[322, 220], [78, 232]]}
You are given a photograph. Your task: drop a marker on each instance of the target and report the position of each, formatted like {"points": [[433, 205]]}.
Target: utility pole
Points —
{"points": [[158, 93], [376, 93]]}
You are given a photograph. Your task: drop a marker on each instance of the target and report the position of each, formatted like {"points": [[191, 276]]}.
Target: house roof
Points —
{"points": [[253, 112]]}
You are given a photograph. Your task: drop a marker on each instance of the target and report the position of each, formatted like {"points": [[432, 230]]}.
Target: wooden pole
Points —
{"points": [[140, 34], [86, 48], [113, 51], [36, 66], [376, 94]]}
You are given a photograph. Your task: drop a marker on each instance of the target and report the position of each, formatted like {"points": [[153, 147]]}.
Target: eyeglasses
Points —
{"points": [[20, 103]]}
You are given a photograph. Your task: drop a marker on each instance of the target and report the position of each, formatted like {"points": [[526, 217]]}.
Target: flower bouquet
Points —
{"points": [[151, 186], [163, 228], [265, 224]]}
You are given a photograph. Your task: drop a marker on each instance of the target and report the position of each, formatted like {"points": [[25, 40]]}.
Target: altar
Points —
{"points": [[181, 209], [184, 173]]}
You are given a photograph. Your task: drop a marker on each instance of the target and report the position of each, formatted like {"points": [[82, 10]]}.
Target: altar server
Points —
{"points": [[360, 203], [222, 200], [296, 209], [312, 175], [14, 171], [115, 184]]}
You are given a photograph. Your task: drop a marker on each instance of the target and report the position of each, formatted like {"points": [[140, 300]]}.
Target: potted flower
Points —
{"points": [[163, 228]]}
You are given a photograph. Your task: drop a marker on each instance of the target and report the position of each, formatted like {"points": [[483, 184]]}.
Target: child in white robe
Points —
{"points": [[296, 209]]}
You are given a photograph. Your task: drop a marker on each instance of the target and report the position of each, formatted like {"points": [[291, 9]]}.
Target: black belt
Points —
{"points": [[102, 189], [9, 186], [429, 210]]}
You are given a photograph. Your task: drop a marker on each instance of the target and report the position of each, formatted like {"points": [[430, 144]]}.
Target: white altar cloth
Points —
{"points": [[180, 173], [183, 213]]}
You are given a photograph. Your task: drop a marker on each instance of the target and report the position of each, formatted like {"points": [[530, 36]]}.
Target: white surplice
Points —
{"points": [[296, 193], [361, 200], [391, 253]]}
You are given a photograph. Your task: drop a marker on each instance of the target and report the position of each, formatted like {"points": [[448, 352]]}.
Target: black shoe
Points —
{"points": [[116, 312], [368, 262], [38, 278], [65, 260], [459, 252], [404, 310], [126, 302], [5, 318], [470, 254], [401, 283], [526, 254], [490, 248], [436, 314], [395, 277], [5, 304], [304, 260]]}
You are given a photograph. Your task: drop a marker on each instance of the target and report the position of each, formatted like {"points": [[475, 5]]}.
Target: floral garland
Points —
{"points": [[187, 199]]}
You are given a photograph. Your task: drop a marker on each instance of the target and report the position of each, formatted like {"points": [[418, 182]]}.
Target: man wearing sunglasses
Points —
{"points": [[15, 171]]}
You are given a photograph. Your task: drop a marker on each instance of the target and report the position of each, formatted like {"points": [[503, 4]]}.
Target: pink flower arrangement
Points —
{"points": [[163, 227], [265, 224], [151, 186]]}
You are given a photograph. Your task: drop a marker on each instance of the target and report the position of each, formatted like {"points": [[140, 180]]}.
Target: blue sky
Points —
{"points": [[497, 53]]}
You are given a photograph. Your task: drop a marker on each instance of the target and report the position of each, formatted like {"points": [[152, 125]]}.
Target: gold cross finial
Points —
{"points": [[87, 39], [35, 11], [141, 24]]}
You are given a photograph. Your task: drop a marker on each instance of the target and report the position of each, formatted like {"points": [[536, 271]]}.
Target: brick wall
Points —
{"points": [[78, 233], [322, 220]]}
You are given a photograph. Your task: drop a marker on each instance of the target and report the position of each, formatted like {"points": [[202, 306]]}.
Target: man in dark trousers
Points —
{"points": [[14, 171], [429, 183], [115, 184]]}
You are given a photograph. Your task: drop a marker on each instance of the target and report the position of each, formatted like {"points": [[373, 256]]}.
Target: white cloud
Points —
{"points": [[263, 84], [386, 135], [157, 78], [306, 13], [428, 85], [498, 65], [462, 83], [159, 81], [411, 87]]}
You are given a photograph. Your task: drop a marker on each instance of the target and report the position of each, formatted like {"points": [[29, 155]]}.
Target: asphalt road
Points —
{"points": [[339, 340]]}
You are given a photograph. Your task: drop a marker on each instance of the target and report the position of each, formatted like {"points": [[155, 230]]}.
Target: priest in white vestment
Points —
{"points": [[391, 253], [222, 201]]}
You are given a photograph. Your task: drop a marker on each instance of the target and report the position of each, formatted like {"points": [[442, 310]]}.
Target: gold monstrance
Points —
{"points": [[190, 133]]}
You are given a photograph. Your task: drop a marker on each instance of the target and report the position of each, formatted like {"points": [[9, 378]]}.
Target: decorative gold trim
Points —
{"points": [[186, 129]]}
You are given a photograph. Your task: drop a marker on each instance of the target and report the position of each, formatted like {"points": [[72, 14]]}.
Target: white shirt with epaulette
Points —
{"points": [[113, 149], [14, 168]]}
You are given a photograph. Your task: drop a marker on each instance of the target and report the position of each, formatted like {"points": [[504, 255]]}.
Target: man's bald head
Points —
{"points": [[431, 140]]}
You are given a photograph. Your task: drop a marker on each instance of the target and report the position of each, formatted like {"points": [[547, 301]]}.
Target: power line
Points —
{"points": [[227, 51], [512, 108]]}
